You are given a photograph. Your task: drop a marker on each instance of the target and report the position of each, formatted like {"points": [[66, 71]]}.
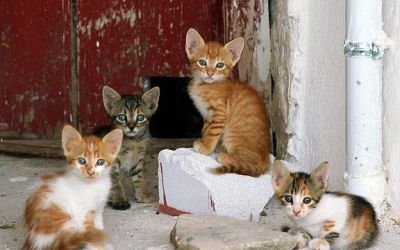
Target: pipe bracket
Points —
{"points": [[363, 49]]}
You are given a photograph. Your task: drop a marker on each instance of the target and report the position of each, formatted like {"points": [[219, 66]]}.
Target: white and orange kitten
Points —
{"points": [[65, 211]]}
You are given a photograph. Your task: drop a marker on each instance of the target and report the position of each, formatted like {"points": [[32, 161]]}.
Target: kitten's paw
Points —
{"points": [[319, 244], [302, 238], [196, 145], [145, 198], [120, 205], [199, 147]]}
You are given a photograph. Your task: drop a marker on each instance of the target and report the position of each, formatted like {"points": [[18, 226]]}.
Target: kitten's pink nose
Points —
{"points": [[210, 72], [90, 172]]}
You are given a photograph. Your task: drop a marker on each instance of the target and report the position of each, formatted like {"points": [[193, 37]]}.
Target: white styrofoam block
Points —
{"points": [[186, 185]]}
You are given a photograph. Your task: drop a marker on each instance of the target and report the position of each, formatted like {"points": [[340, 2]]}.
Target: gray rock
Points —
{"points": [[208, 232]]}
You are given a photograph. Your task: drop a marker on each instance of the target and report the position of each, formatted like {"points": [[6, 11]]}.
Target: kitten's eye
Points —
{"points": [[288, 198], [140, 117], [220, 65], [82, 160], [122, 117], [307, 200], [100, 162], [202, 62]]}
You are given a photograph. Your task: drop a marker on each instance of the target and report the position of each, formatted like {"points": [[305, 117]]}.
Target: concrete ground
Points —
{"points": [[140, 227]]}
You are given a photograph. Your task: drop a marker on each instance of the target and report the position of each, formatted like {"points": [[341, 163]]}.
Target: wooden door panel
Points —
{"points": [[34, 66], [121, 42]]}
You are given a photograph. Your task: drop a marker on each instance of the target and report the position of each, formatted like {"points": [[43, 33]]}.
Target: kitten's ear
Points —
{"points": [[110, 96], [320, 175], [280, 175], [235, 48], [193, 42], [70, 139], [151, 98], [112, 142]]}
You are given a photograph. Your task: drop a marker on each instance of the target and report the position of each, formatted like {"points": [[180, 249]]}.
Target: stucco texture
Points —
{"points": [[308, 69]]}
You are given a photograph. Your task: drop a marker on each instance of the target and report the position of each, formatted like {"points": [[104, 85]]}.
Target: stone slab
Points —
{"points": [[209, 232]]}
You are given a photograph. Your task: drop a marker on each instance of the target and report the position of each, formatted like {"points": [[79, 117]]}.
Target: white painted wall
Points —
{"points": [[391, 103], [308, 66], [316, 113], [324, 99]]}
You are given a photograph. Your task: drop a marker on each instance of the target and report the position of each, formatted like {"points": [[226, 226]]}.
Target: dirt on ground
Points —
{"points": [[140, 227]]}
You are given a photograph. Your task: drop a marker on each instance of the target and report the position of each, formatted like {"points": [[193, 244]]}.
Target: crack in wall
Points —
{"points": [[74, 64]]}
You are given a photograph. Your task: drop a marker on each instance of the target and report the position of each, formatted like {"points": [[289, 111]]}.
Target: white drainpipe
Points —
{"points": [[364, 169]]}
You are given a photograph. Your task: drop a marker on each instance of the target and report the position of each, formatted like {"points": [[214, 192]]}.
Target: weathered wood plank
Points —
{"points": [[52, 148], [123, 42], [45, 148]]}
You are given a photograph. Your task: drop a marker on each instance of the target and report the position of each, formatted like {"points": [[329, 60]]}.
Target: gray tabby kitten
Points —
{"points": [[132, 114]]}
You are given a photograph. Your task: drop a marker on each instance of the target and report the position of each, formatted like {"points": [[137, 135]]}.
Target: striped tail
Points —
{"points": [[240, 165]]}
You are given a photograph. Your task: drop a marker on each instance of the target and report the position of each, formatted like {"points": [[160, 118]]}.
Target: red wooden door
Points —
{"points": [[118, 44], [34, 66], [122, 43]]}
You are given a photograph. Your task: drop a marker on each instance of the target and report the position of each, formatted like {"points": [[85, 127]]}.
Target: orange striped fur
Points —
{"points": [[235, 115], [64, 211]]}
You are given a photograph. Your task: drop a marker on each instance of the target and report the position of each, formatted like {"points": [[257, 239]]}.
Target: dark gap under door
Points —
{"points": [[176, 116]]}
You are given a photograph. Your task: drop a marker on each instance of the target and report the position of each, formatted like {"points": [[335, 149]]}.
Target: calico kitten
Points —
{"points": [[132, 114], [323, 220], [65, 211], [234, 113]]}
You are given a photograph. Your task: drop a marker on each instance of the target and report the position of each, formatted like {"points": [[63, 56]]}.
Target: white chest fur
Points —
{"points": [[78, 197], [330, 208], [199, 102]]}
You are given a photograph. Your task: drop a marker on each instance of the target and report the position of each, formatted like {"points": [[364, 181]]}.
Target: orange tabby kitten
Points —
{"points": [[65, 211], [234, 113]]}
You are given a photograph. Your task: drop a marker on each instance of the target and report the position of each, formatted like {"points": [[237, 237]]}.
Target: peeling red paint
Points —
{"points": [[120, 44], [163, 188], [34, 65], [170, 210], [163, 207], [249, 19], [240, 15]]}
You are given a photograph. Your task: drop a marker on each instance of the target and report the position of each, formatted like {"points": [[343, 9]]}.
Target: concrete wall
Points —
{"points": [[306, 98], [308, 81], [391, 102], [308, 85], [308, 69]]}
